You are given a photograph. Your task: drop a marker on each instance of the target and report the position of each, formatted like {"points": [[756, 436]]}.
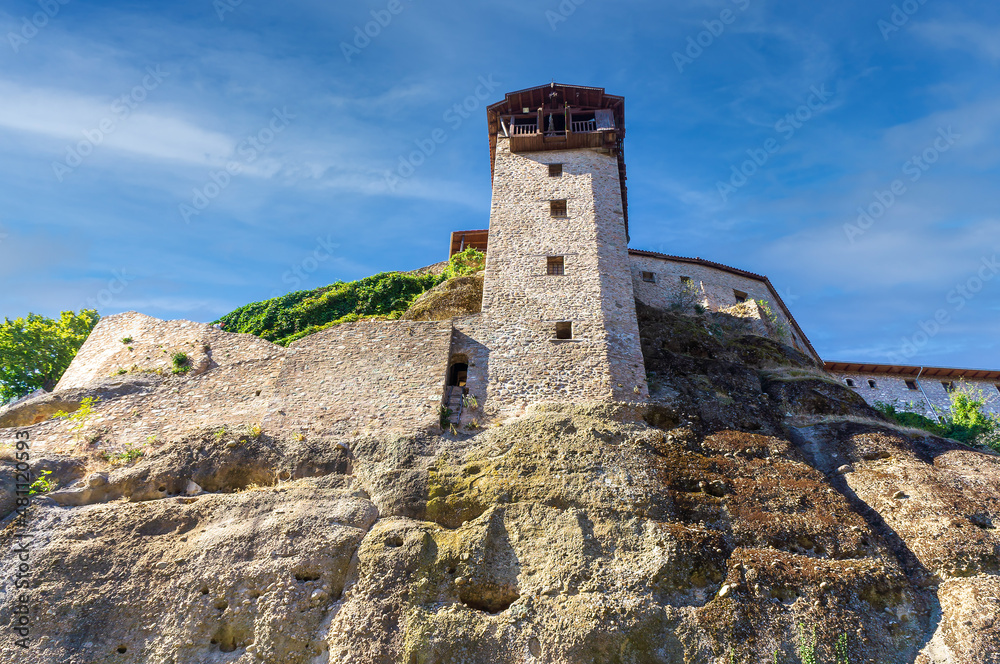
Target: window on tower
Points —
{"points": [[564, 330], [555, 265], [741, 297], [555, 170], [558, 208], [649, 277]]}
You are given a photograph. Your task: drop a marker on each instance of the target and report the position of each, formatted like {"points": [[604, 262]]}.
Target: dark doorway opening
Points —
{"points": [[458, 374]]}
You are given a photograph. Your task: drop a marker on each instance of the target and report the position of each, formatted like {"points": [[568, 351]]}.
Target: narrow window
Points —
{"points": [[911, 384], [741, 297], [687, 281], [849, 381], [998, 387], [558, 208], [948, 386], [649, 277], [555, 170], [564, 330], [555, 265], [872, 384]]}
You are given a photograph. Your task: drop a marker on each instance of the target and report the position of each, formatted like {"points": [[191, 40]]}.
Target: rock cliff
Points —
{"points": [[753, 511]]}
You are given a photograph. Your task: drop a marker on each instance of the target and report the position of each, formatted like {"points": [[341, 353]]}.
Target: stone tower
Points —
{"points": [[558, 300]]}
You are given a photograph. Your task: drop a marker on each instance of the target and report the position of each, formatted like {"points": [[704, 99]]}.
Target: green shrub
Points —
{"points": [[128, 454], [384, 296], [465, 263], [181, 363], [42, 484]]}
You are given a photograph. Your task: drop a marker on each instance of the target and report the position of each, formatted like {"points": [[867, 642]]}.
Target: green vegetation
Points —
{"points": [[181, 362], [129, 454], [444, 416], [807, 645], [384, 296], [35, 351], [78, 418], [777, 323], [42, 484], [127, 340], [967, 422]]}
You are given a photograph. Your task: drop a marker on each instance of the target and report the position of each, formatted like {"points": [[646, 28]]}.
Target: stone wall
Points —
{"points": [[152, 344], [715, 290], [348, 380], [892, 389], [358, 377], [522, 303]]}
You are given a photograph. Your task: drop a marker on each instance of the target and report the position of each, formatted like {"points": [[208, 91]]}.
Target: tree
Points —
{"points": [[35, 350]]}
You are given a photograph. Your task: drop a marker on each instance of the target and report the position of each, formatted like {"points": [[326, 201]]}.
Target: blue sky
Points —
{"points": [[114, 116]]}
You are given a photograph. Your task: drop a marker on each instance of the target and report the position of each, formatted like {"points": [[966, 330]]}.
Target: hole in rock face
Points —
{"points": [[487, 597], [161, 489], [450, 570], [473, 470], [204, 590], [221, 604], [394, 541], [122, 649], [303, 576]]}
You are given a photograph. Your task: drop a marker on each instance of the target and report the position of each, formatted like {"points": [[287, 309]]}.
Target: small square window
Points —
{"points": [[872, 384], [686, 281], [564, 330], [849, 381], [911, 384], [557, 208], [555, 265], [555, 170], [649, 277], [948, 385], [741, 297]]}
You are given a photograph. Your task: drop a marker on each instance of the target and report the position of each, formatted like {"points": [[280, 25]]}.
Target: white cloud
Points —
{"points": [[966, 36], [63, 116]]}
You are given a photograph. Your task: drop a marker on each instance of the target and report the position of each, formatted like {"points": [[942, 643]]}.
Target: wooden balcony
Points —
{"points": [[563, 132]]}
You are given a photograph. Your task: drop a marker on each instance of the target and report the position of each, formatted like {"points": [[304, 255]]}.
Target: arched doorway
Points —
{"points": [[458, 374]]}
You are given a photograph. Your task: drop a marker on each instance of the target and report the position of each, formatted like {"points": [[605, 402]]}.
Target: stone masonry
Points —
{"points": [[522, 302], [924, 395]]}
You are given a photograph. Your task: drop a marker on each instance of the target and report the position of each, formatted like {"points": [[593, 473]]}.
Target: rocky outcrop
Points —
{"points": [[460, 296], [753, 511]]}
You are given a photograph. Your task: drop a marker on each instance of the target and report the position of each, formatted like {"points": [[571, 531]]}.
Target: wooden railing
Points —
{"points": [[521, 130], [584, 126]]}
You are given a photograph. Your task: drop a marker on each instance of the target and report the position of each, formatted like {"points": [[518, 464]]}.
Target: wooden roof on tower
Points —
{"points": [[556, 96]]}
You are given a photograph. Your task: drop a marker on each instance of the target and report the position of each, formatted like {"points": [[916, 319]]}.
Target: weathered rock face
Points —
{"points": [[456, 297], [753, 508]]}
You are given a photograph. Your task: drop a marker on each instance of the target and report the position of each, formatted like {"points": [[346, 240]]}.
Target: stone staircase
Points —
{"points": [[454, 402]]}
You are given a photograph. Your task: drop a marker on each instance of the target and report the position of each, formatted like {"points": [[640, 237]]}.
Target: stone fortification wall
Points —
{"points": [[370, 375], [894, 390], [348, 379], [522, 302], [715, 289], [152, 345]]}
